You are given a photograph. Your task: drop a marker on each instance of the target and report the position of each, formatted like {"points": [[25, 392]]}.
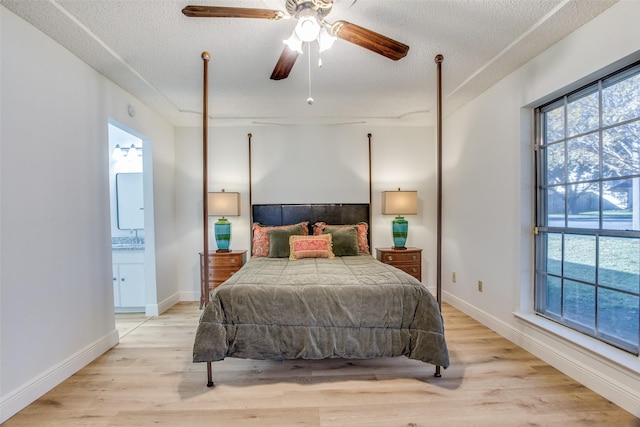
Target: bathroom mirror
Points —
{"points": [[130, 200]]}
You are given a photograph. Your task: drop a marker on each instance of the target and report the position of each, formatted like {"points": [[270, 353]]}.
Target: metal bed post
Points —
{"points": [[204, 287], [249, 136], [370, 195], [438, 59], [204, 291]]}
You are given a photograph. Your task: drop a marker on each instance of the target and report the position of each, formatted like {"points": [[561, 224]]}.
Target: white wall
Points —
{"points": [[487, 188], [56, 291], [303, 165]]}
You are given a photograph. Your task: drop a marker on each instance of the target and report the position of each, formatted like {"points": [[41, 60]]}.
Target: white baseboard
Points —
{"points": [[155, 310], [16, 400], [189, 296], [559, 355]]}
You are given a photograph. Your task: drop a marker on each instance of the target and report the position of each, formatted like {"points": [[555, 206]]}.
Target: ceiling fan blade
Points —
{"points": [[230, 12], [371, 40], [285, 64]]}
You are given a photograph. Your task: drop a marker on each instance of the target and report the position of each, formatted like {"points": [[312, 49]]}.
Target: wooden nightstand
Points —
{"points": [[222, 265], [408, 260]]}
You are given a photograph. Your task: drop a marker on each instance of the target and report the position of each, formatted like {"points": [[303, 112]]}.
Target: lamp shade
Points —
{"points": [[399, 202], [223, 204]]}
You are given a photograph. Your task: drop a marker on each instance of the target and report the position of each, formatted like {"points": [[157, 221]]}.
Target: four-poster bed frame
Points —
{"points": [[323, 208]]}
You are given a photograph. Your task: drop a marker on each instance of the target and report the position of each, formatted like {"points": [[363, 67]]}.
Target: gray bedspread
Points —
{"points": [[346, 307]]}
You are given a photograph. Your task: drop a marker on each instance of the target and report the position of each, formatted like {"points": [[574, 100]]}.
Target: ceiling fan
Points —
{"points": [[311, 26]]}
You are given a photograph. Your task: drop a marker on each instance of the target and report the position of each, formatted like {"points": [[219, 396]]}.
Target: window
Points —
{"points": [[588, 209]]}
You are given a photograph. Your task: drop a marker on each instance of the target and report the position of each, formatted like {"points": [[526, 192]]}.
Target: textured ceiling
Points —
{"points": [[150, 49]]}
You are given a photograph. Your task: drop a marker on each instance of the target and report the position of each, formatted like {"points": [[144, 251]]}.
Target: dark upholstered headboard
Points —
{"points": [[338, 213], [350, 213]]}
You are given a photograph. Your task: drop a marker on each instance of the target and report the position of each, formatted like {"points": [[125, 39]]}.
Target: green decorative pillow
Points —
{"points": [[260, 244], [362, 227], [279, 241], [345, 240]]}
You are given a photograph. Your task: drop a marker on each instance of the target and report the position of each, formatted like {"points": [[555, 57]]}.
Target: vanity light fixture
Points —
{"points": [[124, 151]]}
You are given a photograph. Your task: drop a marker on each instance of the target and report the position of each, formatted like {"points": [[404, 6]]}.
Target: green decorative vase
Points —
{"points": [[400, 228], [222, 229]]}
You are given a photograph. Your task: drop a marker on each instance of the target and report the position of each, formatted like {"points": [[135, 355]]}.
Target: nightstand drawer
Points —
{"points": [[230, 260], [402, 257], [414, 270], [408, 260], [219, 275], [222, 265]]}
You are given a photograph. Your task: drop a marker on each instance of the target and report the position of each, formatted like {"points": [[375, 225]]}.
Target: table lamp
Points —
{"points": [[223, 204], [399, 203]]}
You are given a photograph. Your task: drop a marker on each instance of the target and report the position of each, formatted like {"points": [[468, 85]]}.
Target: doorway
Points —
{"points": [[126, 185]]}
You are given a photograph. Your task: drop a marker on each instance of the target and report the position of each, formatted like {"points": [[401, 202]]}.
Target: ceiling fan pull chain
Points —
{"points": [[309, 99]]}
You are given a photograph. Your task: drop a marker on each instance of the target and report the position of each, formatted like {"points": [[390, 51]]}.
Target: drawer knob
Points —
{"points": [[415, 257], [232, 261], [389, 258], [415, 270]]}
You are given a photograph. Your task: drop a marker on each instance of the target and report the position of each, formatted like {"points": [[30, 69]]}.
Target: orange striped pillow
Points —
{"points": [[310, 246]]}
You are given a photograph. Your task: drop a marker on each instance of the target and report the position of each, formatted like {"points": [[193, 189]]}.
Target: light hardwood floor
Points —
{"points": [[149, 379]]}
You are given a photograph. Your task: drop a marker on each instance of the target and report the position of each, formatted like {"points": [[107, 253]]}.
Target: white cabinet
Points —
{"points": [[128, 281]]}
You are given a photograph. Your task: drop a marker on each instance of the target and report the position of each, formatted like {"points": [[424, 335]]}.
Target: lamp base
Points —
{"points": [[222, 230], [399, 227], [226, 250], [399, 248]]}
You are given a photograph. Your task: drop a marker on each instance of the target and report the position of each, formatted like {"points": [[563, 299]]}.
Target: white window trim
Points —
{"points": [[595, 347]]}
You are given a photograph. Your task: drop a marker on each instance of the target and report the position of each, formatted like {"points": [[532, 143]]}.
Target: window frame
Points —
{"points": [[543, 230]]}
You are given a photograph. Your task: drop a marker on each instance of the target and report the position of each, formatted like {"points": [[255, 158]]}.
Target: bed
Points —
{"points": [[318, 306], [332, 299]]}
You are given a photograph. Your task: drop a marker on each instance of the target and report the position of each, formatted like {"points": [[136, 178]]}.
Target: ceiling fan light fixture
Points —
{"points": [[294, 43], [325, 39], [308, 28]]}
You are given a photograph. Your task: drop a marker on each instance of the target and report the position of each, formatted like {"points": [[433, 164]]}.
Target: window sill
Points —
{"points": [[605, 351]]}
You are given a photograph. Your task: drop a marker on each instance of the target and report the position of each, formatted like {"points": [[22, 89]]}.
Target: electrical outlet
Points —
{"points": [[479, 285], [453, 277]]}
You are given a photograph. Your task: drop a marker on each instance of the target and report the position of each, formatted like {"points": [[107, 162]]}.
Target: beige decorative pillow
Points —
{"points": [[310, 247]]}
